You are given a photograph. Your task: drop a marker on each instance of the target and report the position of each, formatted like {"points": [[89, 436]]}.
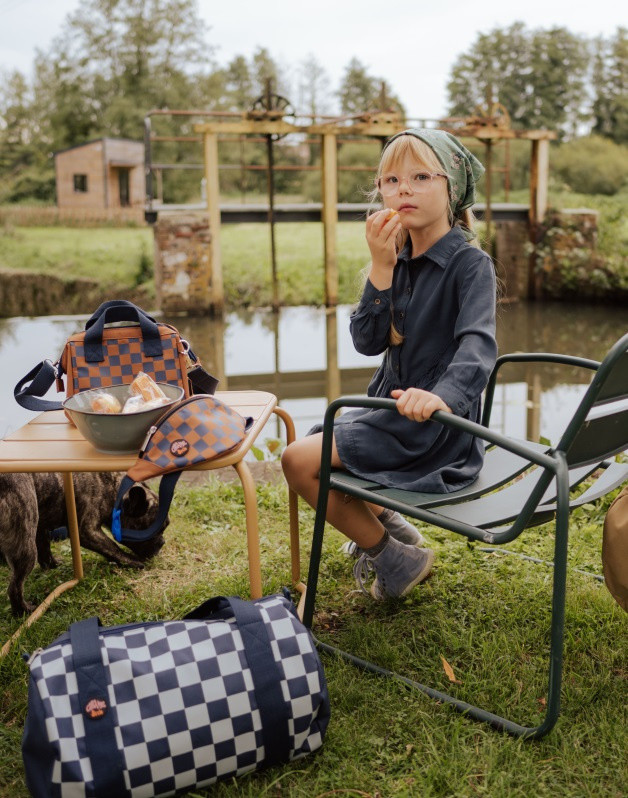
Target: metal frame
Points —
{"points": [[554, 463]]}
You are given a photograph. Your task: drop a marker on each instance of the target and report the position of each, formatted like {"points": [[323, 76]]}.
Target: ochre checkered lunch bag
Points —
{"points": [[196, 430], [100, 356]]}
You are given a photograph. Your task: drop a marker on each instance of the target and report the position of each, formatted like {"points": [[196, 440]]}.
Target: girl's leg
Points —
{"points": [[301, 462]]}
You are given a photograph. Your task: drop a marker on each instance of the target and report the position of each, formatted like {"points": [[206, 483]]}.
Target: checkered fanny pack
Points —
{"points": [[101, 356], [154, 709], [196, 430]]}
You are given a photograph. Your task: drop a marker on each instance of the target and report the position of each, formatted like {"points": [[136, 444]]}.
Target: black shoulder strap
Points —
{"points": [[266, 673], [99, 719], [34, 385], [166, 492]]}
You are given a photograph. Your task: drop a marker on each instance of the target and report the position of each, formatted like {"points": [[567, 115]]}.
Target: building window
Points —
{"points": [[80, 184]]}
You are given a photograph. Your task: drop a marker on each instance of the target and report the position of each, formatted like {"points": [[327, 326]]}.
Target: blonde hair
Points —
{"points": [[425, 156]]}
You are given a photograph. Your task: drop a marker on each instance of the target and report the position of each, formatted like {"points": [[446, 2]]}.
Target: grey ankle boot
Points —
{"points": [[396, 526], [400, 529], [399, 568]]}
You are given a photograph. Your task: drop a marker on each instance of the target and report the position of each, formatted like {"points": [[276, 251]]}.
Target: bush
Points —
{"points": [[591, 165], [32, 183]]}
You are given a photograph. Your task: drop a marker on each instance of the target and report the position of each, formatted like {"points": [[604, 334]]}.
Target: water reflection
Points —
{"points": [[305, 356]]}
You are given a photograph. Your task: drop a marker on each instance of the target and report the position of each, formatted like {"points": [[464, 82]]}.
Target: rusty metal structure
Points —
{"points": [[272, 118]]}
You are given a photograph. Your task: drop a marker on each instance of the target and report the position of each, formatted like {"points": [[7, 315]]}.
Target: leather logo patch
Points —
{"points": [[96, 708], [179, 447]]}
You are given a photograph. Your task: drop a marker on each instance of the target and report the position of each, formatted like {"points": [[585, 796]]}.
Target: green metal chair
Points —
{"points": [[522, 484]]}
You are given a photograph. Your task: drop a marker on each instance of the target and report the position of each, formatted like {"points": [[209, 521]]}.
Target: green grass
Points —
{"points": [[486, 614], [109, 255], [113, 255]]}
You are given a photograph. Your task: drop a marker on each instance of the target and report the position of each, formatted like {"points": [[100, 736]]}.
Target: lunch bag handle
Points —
{"points": [[115, 313], [115, 303]]}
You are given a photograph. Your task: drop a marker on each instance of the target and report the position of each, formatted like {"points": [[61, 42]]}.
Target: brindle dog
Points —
{"points": [[32, 505]]}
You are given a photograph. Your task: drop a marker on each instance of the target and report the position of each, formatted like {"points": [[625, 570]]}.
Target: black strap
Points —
{"points": [[267, 677], [41, 379], [202, 381], [99, 718], [151, 339], [115, 303], [166, 492], [266, 673]]}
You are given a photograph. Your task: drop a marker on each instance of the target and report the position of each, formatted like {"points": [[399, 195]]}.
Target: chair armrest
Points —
{"points": [[447, 419], [529, 357]]}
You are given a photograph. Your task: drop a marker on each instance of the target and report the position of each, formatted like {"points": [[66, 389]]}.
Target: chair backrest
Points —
{"points": [[599, 427]]}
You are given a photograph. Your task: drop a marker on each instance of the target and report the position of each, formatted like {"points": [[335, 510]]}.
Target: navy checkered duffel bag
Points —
{"points": [[154, 709]]}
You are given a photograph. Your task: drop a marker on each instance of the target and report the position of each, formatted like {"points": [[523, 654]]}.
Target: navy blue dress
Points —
{"points": [[444, 306]]}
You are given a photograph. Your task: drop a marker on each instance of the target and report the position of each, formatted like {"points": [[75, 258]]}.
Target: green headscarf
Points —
{"points": [[462, 167]]}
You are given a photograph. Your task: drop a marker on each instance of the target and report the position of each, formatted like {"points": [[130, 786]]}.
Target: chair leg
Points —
{"points": [[557, 620]]}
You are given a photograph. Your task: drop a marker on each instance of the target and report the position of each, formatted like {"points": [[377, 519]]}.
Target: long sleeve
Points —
{"points": [[370, 322], [467, 374]]}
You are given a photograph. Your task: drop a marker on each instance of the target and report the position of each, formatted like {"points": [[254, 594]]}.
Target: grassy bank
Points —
{"points": [[122, 257], [117, 256], [486, 615]]}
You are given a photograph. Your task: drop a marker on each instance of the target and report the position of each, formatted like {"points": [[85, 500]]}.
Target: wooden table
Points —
{"points": [[50, 443]]}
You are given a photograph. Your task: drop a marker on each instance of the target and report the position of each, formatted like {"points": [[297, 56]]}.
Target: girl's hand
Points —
{"points": [[417, 404], [381, 231]]}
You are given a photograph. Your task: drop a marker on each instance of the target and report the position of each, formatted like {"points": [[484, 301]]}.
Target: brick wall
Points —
{"points": [[183, 263]]}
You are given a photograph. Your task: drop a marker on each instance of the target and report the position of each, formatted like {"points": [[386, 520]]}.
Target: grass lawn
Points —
{"points": [[115, 256], [487, 615]]}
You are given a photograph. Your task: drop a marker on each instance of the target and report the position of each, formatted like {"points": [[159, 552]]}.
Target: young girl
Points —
{"points": [[429, 306]]}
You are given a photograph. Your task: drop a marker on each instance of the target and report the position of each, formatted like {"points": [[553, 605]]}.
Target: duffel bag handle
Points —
{"points": [[267, 675], [151, 339], [99, 718]]}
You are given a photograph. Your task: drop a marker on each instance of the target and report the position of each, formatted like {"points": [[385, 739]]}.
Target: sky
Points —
{"points": [[412, 44]]}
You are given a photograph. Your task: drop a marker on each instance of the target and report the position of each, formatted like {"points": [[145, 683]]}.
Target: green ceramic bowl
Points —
{"points": [[118, 433]]}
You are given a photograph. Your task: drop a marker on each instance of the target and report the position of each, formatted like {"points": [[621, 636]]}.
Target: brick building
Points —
{"points": [[101, 175]]}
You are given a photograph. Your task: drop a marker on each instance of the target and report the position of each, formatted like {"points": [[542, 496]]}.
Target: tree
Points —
{"points": [[538, 76], [314, 87], [610, 87], [360, 92], [22, 164], [117, 59]]}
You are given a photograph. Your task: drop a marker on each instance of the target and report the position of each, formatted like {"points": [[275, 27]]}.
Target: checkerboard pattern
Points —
{"points": [[124, 359], [182, 692], [206, 426]]}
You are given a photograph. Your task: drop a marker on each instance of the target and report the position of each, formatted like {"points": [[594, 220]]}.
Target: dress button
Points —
{"points": [[401, 314], [377, 301]]}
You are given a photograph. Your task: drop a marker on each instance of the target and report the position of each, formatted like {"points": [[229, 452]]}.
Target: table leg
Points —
{"points": [[252, 528], [75, 543], [292, 504], [295, 553]]}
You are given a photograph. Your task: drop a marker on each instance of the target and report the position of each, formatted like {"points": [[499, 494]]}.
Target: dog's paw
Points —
{"points": [[24, 609], [48, 563], [129, 563]]}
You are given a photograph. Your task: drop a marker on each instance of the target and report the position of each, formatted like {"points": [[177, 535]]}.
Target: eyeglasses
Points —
{"points": [[419, 182]]}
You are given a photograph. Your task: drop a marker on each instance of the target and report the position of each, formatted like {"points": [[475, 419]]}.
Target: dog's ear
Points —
{"points": [[136, 503]]}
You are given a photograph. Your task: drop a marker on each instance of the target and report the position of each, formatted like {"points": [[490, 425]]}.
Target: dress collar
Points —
{"points": [[440, 252]]}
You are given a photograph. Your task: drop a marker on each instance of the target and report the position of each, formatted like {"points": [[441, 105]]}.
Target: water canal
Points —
{"points": [[305, 356]]}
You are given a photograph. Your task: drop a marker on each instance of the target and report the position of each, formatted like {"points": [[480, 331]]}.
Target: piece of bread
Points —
{"points": [[106, 403]]}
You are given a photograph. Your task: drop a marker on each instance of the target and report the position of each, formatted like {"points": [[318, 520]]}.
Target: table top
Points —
{"points": [[50, 443]]}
